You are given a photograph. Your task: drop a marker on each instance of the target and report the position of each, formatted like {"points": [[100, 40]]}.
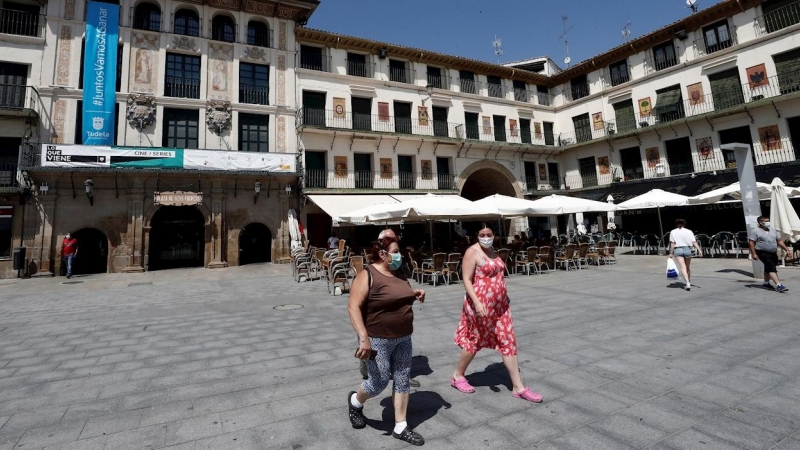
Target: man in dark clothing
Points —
{"points": [[764, 243]]}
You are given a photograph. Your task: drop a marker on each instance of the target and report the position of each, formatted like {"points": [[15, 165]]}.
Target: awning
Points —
{"points": [[336, 205], [667, 102]]}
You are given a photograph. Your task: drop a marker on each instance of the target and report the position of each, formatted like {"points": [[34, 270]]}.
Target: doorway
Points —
{"points": [[255, 244], [793, 124], [92, 254], [177, 238], [735, 135]]}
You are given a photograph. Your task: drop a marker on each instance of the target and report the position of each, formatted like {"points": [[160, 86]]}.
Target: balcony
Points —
{"points": [[439, 81], [577, 91], [522, 95], [496, 90], [312, 61], [778, 19], [21, 23], [254, 95], [367, 179], [361, 69], [16, 100], [704, 46], [8, 176], [468, 86], [653, 64], [321, 118], [402, 75], [544, 99], [181, 87]]}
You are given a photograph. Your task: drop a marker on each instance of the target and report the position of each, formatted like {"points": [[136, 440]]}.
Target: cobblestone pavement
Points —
{"points": [[199, 359]]}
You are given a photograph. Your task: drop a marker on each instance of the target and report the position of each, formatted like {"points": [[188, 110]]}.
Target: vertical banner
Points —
{"points": [[100, 73]]}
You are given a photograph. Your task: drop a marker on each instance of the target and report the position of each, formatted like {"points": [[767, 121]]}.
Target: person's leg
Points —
{"points": [[70, 260], [400, 401], [774, 277], [512, 364], [681, 263], [464, 359], [688, 262]]}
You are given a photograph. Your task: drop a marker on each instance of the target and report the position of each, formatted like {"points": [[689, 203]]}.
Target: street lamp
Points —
{"points": [[288, 189], [429, 89], [257, 189], [89, 185]]}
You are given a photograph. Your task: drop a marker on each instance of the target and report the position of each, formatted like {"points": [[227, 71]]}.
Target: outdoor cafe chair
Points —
{"points": [[526, 259], [705, 243], [303, 264], [723, 242], [566, 257], [437, 269], [453, 266], [652, 244], [610, 256], [338, 273], [583, 252], [626, 239], [542, 259], [742, 243], [416, 266], [503, 255]]}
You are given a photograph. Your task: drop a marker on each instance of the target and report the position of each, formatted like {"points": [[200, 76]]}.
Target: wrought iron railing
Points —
{"points": [[358, 68], [577, 91], [19, 97], [21, 23], [255, 95], [8, 175], [378, 123], [496, 90], [313, 61], [522, 95], [439, 81], [778, 19], [468, 86], [544, 99], [618, 75], [368, 179], [182, 87], [654, 64], [703, 46], [402, 75]]}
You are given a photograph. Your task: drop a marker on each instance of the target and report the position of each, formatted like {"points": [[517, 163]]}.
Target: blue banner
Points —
{"points": [[100, 73]]}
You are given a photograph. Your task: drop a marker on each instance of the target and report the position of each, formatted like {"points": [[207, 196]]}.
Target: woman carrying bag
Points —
{"points": [[681, 241]]}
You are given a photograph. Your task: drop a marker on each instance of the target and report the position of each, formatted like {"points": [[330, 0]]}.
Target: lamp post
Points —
{"points": [[89, 186], [257, 190]]}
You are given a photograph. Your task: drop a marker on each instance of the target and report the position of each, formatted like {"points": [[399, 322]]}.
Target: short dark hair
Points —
{"points": [[762, 219], [680, 223], [382, 245]]}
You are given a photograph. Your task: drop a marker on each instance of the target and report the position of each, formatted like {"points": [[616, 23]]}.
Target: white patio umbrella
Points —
{"points": [[782, 215], [656, 198], [294, 230], [732, 190], [504, 205], [554, 205]]}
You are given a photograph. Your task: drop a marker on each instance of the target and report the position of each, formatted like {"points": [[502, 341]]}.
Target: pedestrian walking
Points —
{"points": [[69, 250], [333, 242], [764, 243], [681, 241], [382, 317], [486, 316]]}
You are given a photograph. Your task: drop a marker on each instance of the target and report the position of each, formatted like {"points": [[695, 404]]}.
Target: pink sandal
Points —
{"points": [[528, 395], [462, 385]]}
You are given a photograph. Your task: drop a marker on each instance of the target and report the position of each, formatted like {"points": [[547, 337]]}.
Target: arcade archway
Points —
{"points": [[485, 182], [177, 238], [92, 254], [255, 244]]}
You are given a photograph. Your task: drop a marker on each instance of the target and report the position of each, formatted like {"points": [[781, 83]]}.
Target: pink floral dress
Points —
{"points": [[496, 330]]}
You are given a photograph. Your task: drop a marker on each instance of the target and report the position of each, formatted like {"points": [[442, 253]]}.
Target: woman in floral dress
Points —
{"points": [[486, 317]]}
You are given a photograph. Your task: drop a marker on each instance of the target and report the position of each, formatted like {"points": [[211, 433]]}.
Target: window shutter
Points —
{"points": [[624, 114], [788, 67], [726, 89]]}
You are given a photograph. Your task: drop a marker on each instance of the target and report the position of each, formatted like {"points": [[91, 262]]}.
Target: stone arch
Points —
{"points": [[484, 178], [187, 6], [184, 9], [151, 210]]}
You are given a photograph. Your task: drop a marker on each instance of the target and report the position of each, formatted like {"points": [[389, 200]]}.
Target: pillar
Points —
{"points": [[218, 235], [135, 232]]}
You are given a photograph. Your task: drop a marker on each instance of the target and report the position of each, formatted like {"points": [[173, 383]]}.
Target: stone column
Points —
{"points": [[135, 231], [45, 249], [217, 224], [283, 239]]}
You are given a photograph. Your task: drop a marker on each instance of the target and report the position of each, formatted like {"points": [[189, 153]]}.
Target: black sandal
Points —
{"points": [[357, 418], [409, 436]]}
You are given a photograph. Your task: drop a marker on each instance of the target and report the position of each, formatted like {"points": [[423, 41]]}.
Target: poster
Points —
{"points": [[537, 130], [422, 115], [645, 107], [100, 67], [340, 166], [597, 121], [427, 169], [487, 125], [383, 111], [386, 167], [705, 148], [604, 165], [757, 76], [542, 172], [695, 94], [652, 156], [770, 138], [339, 108], [512, 124]]}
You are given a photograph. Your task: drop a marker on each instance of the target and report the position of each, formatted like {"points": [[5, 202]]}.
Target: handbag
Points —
{"points": [[672, 269]]}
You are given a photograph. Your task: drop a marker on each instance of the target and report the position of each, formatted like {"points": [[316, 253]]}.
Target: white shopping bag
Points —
{"points": [[672, 269]]}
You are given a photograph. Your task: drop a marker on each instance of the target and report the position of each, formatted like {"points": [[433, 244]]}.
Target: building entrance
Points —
{"points": [[92, 254], [177, 238], [255, 242]]}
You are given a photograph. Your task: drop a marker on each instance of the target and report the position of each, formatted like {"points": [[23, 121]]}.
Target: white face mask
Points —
{"points": [[486, 242], [67, 236], [766, 224]]}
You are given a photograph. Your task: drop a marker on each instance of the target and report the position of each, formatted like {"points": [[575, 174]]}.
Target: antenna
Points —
{"points": [[564, 38], [692, 4], [626, 31], [498, 48]]}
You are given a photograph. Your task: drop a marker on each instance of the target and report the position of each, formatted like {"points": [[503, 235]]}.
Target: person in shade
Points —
{"points": [[486, 317], [764, 243], [382, 317], [681, 241], [69, 250]]}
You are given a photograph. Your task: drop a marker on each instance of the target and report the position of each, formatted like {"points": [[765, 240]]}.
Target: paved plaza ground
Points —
{"points": [[200, 359]]}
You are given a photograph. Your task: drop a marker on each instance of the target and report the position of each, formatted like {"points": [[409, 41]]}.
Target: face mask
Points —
{"points": [[766, 224], [397, 261], [486, 242], [67, 236]]}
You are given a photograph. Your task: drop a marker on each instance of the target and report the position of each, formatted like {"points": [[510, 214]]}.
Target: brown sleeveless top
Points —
{"points": [[387, 310]]}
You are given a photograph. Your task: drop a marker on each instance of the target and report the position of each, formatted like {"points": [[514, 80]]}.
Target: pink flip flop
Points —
{"points": [[528, 395], [462, 385]]}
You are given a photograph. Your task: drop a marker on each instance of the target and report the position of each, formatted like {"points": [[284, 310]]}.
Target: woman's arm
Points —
{"points": [[358, 295], [671, 248], [468, 273]]}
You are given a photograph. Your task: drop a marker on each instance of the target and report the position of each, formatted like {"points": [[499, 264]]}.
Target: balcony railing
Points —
{"points": [[18, 97], [439, 81], [653, 64], [254, 95], [468, 86], [496, 90], [21, 23], [703, 47], [617, 76], [181, 87], [8, 175], [544, 99], [577, 91], [382, 124], [778, 19], [522, 95], [360, 68], [314, 61], [367, 179], [402, 75]]}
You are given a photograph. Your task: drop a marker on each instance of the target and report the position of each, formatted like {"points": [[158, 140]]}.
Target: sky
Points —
{"points": [[527, 28]]}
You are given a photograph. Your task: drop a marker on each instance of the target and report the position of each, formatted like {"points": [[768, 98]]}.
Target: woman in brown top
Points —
{"points": [[381, 314]]}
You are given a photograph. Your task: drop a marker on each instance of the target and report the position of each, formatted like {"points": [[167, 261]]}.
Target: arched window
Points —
{"points": [[147, 16], [187, 23], [258, 34], [223, 29]]}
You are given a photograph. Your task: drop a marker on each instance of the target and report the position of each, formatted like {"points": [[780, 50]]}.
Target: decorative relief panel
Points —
{"points": [[144, 62], [141, 110], [59, 119], [254, 53], [227, 4], [184, 43], [219, 69], [282, 35], [69, 10], [64, 56], [281, 79], [281, 134], [218, 115]]}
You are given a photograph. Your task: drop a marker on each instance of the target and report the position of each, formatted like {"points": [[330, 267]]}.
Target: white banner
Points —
{"points": [[247, 161], [100, 156]]}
